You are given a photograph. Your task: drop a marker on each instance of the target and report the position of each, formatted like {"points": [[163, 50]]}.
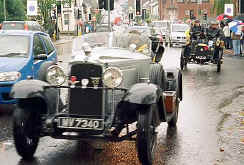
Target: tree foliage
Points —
{"points": [[46, 7], [15, 10], [219, 5]]}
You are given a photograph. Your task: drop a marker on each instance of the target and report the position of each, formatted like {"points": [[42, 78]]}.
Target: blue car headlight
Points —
{"points": [[9, 76]]}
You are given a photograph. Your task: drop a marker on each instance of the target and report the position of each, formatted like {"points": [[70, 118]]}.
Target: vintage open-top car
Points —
{"points": [[108, 90], [203, 48]]}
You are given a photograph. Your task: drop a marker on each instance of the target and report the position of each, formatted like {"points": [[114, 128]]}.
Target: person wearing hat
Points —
{"points": [[215, 32], [195, 29], [191, 34]]}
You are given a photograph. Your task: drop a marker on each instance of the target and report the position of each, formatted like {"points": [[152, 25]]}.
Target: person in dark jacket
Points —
{"points": [[214, 32], [196, 29]]}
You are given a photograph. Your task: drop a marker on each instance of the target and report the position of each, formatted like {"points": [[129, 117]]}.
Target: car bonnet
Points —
{"points": [[12, 64]]}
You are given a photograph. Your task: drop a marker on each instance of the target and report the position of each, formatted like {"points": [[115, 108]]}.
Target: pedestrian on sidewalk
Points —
{"points": [[226, 30], [236, 40], [242, 41]]}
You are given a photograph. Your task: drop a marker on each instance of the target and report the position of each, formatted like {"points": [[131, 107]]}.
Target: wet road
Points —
{"points": [[208, 132]]}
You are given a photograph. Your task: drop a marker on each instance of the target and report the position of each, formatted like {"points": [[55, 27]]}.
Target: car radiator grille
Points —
{"points": [[86, 102]]}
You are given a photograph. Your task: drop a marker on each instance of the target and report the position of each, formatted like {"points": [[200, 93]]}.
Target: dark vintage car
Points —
{"points": [[203, 49], [108, 89]]}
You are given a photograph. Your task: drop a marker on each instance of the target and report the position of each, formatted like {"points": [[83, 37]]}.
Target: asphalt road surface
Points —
{"points": [[208, 130]]}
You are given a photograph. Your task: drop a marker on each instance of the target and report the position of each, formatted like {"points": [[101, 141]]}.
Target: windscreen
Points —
{"points": [[14, 46]]}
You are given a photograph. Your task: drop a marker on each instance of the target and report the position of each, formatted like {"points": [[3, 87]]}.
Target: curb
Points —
{"points": [[233, 56], [63, 42]]}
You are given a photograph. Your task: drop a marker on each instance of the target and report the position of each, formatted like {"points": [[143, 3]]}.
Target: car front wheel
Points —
{"points": [[26, 132], [146, 136]]}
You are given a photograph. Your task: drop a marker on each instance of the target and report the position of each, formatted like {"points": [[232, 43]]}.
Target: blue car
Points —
{"points": [[23, 55]]}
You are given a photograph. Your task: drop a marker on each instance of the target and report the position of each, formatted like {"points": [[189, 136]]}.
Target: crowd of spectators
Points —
{"points": [[234, 40]]}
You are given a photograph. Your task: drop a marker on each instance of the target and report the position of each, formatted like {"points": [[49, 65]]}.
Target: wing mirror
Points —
{"points": [[41, 57]]}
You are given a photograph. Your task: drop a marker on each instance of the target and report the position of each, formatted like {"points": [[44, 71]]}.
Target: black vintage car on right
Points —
{"points": [[203, 49], [108, 89]]}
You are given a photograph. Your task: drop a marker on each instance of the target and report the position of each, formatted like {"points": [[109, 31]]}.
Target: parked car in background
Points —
{"points": [[177, 34], [145, 30], [22, 25], [23, 55], [161, 27]]}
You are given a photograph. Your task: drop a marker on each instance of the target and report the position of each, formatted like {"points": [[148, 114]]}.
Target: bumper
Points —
{"points": [[4, 94], [51, 129]]}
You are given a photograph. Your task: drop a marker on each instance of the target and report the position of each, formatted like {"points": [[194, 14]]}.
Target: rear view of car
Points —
{"points": [[177, 34], [21, 25]]}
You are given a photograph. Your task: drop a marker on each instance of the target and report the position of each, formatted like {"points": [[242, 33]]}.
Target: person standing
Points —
{"points": [[214, 31], [242, 41], [236, 40], [227, 35]]}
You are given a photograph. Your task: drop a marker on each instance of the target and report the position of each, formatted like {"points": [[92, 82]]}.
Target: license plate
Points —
{"points": [[201, 57], [210, 43], [80, 123]]}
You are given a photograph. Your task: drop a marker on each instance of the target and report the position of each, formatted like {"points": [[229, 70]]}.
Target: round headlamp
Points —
{"points": [[55, 75], [112, 77], [10, 76]]}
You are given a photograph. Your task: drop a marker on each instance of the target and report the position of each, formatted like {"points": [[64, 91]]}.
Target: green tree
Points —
{"points": [[1, 11], [15, 10], [46, 7], [219, 5]]}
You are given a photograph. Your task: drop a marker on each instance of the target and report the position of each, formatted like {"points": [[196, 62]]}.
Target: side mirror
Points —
{"points": [[40, 57]]}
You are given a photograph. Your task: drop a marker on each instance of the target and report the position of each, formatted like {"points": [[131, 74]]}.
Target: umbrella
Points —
{"points": [[239, 17], [222, 16], [227, 20], [235, 25]]}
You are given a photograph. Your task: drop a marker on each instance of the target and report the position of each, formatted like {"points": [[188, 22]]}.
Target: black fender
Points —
{"points": [[33, 93], [138, 98], [143, 93], [174, 80]]}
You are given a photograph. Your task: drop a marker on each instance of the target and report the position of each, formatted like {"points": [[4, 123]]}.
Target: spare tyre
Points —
{"points": [[157, 76]]}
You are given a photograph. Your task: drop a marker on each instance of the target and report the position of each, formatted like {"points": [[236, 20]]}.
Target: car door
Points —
{"points": [[51, 51], [38, 48], [41, 46]]}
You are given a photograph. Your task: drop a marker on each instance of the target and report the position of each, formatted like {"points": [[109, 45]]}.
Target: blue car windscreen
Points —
{"points": [[14, 46]]}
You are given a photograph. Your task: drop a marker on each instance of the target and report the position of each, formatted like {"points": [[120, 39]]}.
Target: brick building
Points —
{"points": [[180, 9]]}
